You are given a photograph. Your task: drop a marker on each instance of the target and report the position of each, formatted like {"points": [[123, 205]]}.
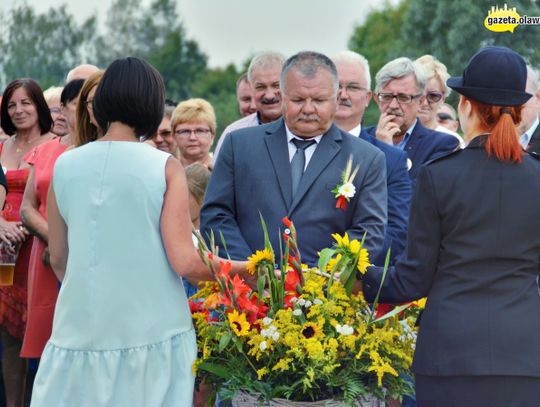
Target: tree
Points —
{"points": [[218, 86], [44, 46], [156, 35], [375, 39], [453, 31]]}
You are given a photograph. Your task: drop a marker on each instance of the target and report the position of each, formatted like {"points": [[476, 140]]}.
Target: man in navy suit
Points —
{"points": [[399, 92], [353, 98], [257, 172]]}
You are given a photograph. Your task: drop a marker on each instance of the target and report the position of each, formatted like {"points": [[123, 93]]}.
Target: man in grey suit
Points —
{"points": [[289, 168]]}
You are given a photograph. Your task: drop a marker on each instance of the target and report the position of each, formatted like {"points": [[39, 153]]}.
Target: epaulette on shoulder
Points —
{"points": [[444, 156]]}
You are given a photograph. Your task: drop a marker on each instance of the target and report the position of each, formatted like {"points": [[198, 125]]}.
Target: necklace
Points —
{"points": [[25, 145]]}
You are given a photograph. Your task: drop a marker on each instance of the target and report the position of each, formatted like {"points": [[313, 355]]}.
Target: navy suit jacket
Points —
{"points": [[399, 188], [252, 175], [425, 145], [473, 249]]}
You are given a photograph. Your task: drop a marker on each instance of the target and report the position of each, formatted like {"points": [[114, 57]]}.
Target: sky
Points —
{"points": [[234, 30]]}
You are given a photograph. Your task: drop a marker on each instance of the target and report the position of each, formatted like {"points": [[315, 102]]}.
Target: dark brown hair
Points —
{"points": [[35, 93]]}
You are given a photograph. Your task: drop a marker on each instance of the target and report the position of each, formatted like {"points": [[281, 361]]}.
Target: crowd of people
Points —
{"points": [[104, 181]]}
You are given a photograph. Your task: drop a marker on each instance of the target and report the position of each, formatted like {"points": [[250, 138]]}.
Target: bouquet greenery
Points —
{"points": [[302, 334]]}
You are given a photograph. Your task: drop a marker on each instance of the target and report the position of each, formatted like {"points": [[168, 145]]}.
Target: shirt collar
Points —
{"points": [[526, 137], [405, 139], [356, 131], [290, 136]]}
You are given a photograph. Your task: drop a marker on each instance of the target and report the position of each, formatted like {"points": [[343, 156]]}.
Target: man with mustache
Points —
{"points": [[289, 168], [399, 92], [354, 96], [263, 76]]}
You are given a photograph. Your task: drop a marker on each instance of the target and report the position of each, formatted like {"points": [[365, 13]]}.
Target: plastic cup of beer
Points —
{"points": [[7, 267]]}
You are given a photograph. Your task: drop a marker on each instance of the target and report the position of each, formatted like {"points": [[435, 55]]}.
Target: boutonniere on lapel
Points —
{"points": [[345, 190]]}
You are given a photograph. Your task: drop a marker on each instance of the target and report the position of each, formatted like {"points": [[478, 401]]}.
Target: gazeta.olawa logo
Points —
{"points": [[507, 19]]}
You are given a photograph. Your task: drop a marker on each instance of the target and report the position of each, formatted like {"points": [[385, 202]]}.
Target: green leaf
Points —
{"points": [[324, 257], [224, 341], [390, 314], [261, 282], [376, 302], [267, 243], [224, 244], [218, 370]]}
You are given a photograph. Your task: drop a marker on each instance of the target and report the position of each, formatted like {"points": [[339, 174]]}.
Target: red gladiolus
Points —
{"points": [[288, 300], [211, 255], [383, 309], [246, 305], [239, 287], [341, 202], [286, 221], [226, 267], [291, 259], [292, 279]]}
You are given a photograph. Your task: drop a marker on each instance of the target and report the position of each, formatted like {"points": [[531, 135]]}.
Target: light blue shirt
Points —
{"points": [[401, 145], [526, 137]]}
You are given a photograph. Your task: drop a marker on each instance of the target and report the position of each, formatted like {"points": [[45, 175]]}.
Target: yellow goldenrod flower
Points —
{"points": [[282, 365], [261, 373], [258, 258], [238, 323]]}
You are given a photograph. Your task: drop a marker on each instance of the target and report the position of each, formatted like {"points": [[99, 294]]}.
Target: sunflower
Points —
{"points": [[238, 323], [312, 330], [352, 247], [258, 258], [332, 262], [363, 261]]}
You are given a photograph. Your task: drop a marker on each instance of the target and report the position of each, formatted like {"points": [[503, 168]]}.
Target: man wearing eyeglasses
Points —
{"points": [[447, 117], [399, 92], [354, 95]]}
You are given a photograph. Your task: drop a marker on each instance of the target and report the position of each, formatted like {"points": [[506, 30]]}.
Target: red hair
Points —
{"points": [[500, 122]]}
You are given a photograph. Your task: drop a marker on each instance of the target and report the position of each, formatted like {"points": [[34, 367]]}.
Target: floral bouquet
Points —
{"points": [[302, 334]]}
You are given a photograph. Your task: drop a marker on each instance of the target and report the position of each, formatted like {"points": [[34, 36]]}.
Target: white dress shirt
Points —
{"points": [[308, 151]]}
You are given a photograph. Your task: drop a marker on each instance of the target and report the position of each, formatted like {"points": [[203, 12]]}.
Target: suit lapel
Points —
{"points": [[326, 150], [413, 145], [276, 142]]}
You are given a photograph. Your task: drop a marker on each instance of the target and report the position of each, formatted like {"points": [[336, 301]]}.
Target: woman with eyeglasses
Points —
{"points": [[42, 283], [25, 116], [194, 126], [52, 97], [87, 128], [436, 92], [473, 249]]}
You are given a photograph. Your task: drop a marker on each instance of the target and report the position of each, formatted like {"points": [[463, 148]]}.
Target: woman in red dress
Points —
{"points": [[25, 117], [42, 283]]}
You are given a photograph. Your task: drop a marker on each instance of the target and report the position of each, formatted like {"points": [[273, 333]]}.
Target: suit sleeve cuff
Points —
{"points": [[371, 281]]}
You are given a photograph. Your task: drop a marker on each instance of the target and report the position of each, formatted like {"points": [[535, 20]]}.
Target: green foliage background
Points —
{"points": [[46, 46]]}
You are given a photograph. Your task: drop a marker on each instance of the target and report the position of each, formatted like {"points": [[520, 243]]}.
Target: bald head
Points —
{"points": [[81, 72]]}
